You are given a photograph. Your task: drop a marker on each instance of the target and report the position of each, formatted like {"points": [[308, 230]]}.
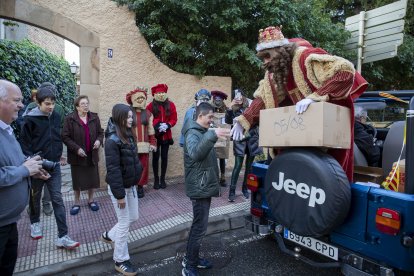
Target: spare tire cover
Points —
{"points": [[307, 191]]}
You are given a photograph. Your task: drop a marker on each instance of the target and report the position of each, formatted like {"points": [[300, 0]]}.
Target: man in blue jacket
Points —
{"points": [[15, 172], [202, 95], [201, 180]]}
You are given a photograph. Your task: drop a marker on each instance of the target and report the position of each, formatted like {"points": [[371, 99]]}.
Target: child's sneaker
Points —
{"points": [[126, 268], [202, 263], [106, 239], [36, 231], [189, 272], [66, 242]]}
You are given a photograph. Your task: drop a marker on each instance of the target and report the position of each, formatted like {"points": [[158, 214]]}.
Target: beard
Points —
{"points": [[280, 63]]}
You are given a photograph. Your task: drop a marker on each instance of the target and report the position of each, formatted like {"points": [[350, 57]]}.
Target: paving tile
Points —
{"points": [[159, 210]]}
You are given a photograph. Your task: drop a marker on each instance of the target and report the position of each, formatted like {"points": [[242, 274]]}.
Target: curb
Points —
{"points": [[179, 233]]}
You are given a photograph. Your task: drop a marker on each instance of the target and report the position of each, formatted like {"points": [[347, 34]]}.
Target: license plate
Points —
{"points": [[313, 244]]}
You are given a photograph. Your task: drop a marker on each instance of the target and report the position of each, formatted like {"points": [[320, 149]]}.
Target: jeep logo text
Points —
{"points": [[314, 194]]}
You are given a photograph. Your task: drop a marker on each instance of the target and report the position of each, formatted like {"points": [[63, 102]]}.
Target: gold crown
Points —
{"points": [[271, 37]]}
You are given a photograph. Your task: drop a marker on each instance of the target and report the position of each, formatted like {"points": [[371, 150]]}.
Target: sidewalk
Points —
{"points": [[162, 213]]}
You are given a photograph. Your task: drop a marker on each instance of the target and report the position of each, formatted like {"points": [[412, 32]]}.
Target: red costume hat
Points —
{"points": [[159, 88], [135, 91], [220, 94]]}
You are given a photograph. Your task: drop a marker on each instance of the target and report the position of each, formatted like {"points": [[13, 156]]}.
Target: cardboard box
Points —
{"points": [[322, 125], [218, 120], [221, 142], [368, 174]]}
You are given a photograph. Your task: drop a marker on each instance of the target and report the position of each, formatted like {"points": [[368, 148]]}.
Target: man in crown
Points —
{"points": [[298, 74], [145, 133]]}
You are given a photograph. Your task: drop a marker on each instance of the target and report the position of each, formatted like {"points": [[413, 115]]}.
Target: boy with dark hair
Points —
{"points": [[41, 133], [46, 201], [201, 180]]}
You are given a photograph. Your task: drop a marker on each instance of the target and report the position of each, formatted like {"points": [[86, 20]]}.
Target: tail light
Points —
{"points": [[252, 182], [256, 212], [388, 221]]}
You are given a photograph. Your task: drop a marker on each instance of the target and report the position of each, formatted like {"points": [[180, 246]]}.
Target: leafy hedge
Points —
{"points": [[28, 65], [206, 37]]}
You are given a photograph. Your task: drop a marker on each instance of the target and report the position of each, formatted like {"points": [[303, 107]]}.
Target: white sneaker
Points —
{"points": [[36, 231], [66, 242]]}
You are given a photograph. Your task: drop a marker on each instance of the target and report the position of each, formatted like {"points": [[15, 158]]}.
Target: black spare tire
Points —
{"points": [[307, 191]]}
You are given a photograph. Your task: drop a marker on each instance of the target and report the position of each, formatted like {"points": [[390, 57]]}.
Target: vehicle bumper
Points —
{"points": [[349, 262], [253, 224]]}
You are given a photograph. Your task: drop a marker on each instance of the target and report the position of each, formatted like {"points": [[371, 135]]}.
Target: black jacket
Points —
{"points": [[41, 132], [248, 146], [200, 161], [364, 139], [123, 169]]}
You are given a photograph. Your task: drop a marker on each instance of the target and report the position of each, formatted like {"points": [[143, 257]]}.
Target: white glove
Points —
{"points": [[302, 105], [163, 127], [237, 131]]}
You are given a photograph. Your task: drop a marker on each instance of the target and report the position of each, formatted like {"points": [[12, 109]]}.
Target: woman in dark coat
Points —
{"points": [[249, 146], [83, 135]]}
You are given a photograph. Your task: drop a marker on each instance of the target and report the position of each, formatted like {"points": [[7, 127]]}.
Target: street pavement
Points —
{"points": [[165, 216], [236, 252]]}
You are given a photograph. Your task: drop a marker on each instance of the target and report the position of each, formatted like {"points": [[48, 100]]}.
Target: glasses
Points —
{"points": [[83, 104]]}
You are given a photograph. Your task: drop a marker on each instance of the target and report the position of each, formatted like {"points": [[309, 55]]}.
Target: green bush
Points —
{"points": [[28, 65]]}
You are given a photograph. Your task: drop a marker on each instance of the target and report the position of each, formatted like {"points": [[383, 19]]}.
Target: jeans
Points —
{"points": [[54, 184], [8, 248], [46, 196], [201, 209], [126, 216]]}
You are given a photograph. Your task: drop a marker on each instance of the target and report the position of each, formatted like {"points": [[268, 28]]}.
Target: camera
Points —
{"points": [[46, 164], [49, 165]]}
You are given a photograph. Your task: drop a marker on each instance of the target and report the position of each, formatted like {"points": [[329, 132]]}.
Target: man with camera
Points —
{"points": [[15, 172], [40, 133]]}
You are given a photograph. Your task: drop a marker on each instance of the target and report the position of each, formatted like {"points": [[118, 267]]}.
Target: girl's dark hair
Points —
{"points": [[156, 107], [119, 117]]}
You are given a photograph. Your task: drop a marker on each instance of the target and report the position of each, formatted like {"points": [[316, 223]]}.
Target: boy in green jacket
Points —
{"points": [[201, 180]]}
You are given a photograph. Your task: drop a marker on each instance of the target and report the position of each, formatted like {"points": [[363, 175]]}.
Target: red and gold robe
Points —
{"points": [[318, 76], [145, 138]]}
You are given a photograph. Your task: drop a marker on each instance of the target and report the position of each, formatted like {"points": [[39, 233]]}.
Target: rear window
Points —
{"points": [[382, 113]]}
